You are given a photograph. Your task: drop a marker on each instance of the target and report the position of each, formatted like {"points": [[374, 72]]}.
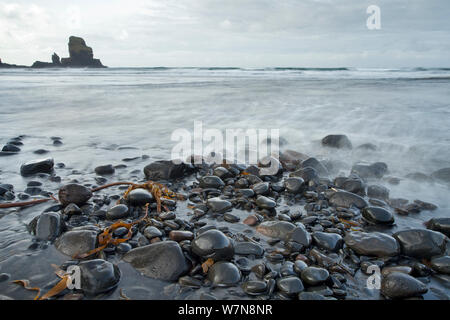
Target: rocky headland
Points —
{"points": [[80, 56]]}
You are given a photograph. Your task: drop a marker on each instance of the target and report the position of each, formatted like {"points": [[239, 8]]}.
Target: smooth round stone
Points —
{"points": [[213, 244], [218, 205], [265, 203], [439, 224], [275, 229], [48, 226], [224, 274], [441, 264], [72, 209], [294, 185], [120, 232], [74, 193], [338, 141], [76, 242], [314, 276], [347, 199], [299, 266], [211, 182], [388, 270], [290, 285], [261, 188], [242, 183], [287, 269], [248, 248], [255, 287], [248, 193], [98, 276], [179, 235], [251, 220], [421, 243], [372, 244], [123, 248], [230, 218], [187, 281], [222, 173], [37, 166], [139, 197], [11, 148], [377, 215], [378, 192], [328, 241], [119, 211], [105, 170], [300, 235], [400, 285], [4, 277]]}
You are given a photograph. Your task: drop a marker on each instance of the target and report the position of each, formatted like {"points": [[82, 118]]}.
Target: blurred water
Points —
{"points": [[404, 112]]}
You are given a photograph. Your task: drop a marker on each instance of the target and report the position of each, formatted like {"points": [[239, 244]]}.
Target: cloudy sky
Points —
{"points": [[244, 33]]}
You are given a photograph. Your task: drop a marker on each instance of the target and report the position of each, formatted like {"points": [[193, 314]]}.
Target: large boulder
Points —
{"points": [[421, 243], [372, 244], [165, 170], [338, 141], [400, 285], [347, 199], [80, 55], [98, 276], [439, 224], [161, 260], [76, 242], [37, 166], [74, 193]]}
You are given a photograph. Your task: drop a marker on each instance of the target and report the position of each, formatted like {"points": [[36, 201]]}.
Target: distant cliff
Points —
{"points": [[80, 56]]}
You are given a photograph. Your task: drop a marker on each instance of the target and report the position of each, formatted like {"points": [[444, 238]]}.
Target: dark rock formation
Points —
{"points": [[80, 55], [10, 66]]}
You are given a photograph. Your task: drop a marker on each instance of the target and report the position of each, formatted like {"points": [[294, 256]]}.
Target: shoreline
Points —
{"points": [[274, 228]]}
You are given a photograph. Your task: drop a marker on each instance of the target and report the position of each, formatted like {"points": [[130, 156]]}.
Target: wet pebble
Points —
{"points": [[328, 241], [76, 242], [248, 248], [377, 215], [314, 276], [119, 211], [290, 285], [400, 285], [421, 243], [255, 287], [224, 274], [37, 166], [213, 244], [265, 203], [441, 264], [105, 170], [219, 205], [160, 260], [98, 276], [74, 193], [139, 197], [372, 244]]}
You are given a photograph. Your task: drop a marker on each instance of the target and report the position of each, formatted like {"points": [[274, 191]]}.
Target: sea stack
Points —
{"points": [[81, 56]]}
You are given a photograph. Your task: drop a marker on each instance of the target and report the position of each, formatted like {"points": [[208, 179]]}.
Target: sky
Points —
{"points": [[241, 33]]}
